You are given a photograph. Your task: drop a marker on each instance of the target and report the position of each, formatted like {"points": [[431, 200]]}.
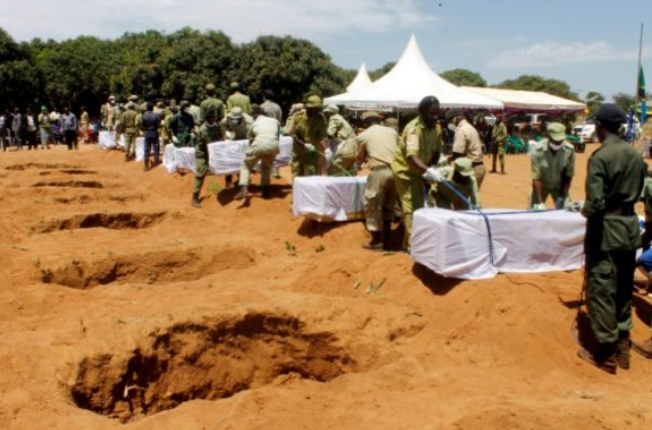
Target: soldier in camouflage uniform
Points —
{"points": [[238, 99], [310, 139], [130, 127], [211, 102], [208, 132]]}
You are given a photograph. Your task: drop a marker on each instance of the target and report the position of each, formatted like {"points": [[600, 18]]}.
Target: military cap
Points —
{"points": [[43, 108], [556, 131], [111, 97], [133, 98], [236, 112], [313, 101], [370, 114], [464, 166], [610, 113], [234, 85], [331, 109], [210, 87], [392, 122], [184, 104], [159, 104], [453, 113]]}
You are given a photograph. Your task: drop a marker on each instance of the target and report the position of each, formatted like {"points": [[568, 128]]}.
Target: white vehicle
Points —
{"points": [[586, 131]]}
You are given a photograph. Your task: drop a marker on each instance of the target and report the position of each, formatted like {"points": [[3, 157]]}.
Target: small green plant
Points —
{"points": [[375, 286], [214, 187], [320, 248], [290, 248]]}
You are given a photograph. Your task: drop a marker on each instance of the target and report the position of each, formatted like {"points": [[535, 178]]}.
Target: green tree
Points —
{"points": [[18, 78], [593, 100], [538, 83], [379, 73], [625, 101], [463, 77]]}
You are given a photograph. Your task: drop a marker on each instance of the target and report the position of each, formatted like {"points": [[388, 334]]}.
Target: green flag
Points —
{"points": [[641, 84]]}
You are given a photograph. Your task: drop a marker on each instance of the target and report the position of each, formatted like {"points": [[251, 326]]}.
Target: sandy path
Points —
{"points": [[118, 297]]}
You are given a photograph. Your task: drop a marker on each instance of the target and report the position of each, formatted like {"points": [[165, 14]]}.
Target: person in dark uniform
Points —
{"points": [[182, 126], [614, 182], [149, 125]]}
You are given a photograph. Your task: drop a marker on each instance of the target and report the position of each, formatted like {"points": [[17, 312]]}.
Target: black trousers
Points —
{"points": [[71, 139], [151, 144]]}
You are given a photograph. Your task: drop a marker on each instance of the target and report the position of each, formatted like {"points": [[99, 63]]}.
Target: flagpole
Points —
{"points": [[638, 65], [639, 75]]}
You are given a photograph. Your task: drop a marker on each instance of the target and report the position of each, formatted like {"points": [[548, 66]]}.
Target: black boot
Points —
{"points": [[146, 169], [266, 193], [603, 357], [195, 200], [622, 350], [376, 243], [387, 235], [243, 194]]}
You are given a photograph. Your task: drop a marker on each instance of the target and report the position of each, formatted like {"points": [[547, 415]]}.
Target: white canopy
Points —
{"points": [[409, 81], [528, 100], [361, 80]]}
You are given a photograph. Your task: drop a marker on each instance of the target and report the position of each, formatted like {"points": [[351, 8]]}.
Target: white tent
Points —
{"points": [[409, 81], [532, 101], [361, 80]]}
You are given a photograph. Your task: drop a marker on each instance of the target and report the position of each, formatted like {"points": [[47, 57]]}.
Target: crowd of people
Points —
{"points": [[28, 130], [436, 159]]}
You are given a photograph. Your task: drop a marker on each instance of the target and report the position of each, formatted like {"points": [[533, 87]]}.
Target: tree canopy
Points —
{"points": [[464, 77], [538, 83]]}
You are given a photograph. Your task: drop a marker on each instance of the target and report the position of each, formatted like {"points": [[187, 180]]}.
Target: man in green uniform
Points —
{"points": [[130, 127], [309, 139], [460, 176], [211, 102], [467, 142], [264, 134], [341, 152], [418, 149], [377, 145], [182, 126], [614, 182], [498, 138], [236, 124], [553, 168], [238, 99], [208, 132]]}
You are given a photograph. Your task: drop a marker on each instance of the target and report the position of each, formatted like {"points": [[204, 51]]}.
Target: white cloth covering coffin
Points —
{"points": [[107, 141], [328, 198], [224, 157], [456, 244]]}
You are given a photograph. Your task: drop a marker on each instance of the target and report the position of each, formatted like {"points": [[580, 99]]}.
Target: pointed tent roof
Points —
{"points": [[361, 79], [409, 81]]}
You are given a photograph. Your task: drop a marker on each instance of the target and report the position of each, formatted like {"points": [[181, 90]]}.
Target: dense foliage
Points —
{"points": [[84, 71], [463, 77]]}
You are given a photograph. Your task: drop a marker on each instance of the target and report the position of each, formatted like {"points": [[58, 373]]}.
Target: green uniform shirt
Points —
{"points": [[499, 134], [211, 103], [615, 177], [417, 140], [129, 121], [339, 128], [309, 129], [552, 168], [206, 134], [646, 198], [238, 99], [446, 199], [237, 129]]}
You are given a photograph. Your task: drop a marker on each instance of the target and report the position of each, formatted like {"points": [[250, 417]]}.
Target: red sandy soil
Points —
{"points": [[121, 306]]}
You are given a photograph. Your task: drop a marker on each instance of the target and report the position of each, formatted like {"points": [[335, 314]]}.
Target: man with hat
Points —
{"points": [[45, 127], [182, 126], [377, 145], [211, 102], [264, 134], [208, 132], [341, 152], [614, 181], [107, 113], [238, 99], [236, 124], [498, 138], [290, 122], [130, 128], [467, 143], [418, 150], [553, 168], [309, 139], [460, 176]]}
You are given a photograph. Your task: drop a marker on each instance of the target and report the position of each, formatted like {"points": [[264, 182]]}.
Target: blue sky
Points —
{"points": [[590, 44]]}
